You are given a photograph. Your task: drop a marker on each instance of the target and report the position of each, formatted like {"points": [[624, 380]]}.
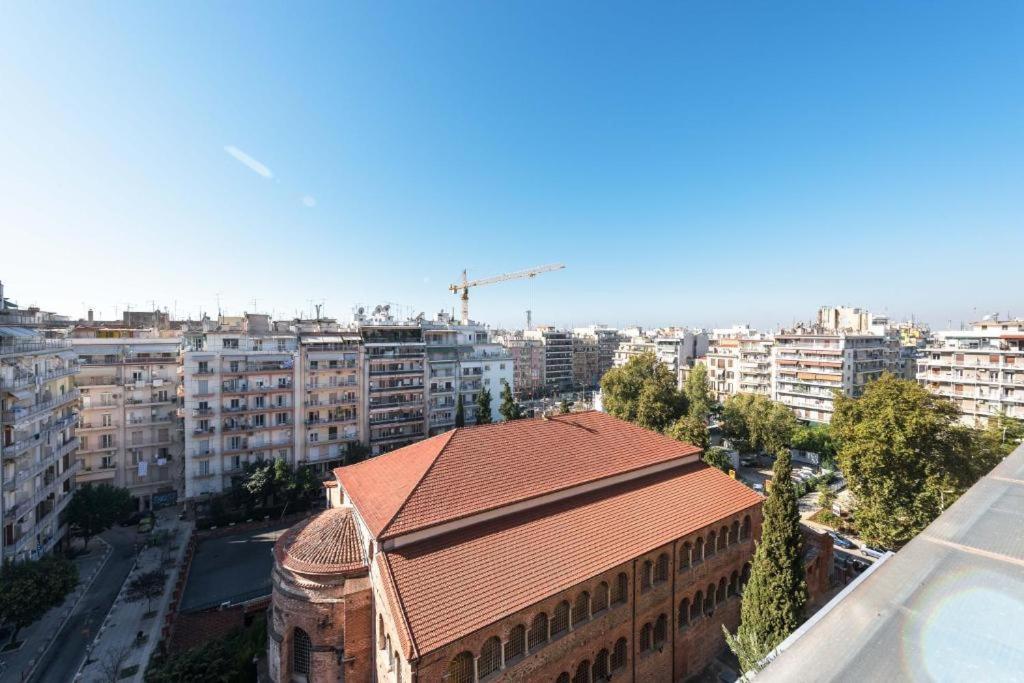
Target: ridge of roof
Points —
{"points": [[446, 437]]}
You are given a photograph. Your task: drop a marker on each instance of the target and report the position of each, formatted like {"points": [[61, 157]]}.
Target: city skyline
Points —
{"points": [[700, 164]]}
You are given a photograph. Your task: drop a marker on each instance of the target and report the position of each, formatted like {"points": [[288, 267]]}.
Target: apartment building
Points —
{"points": [[808, 364], [607, 341], [981, 370], [395, 363], [557, 346], [738, 360], [38, 445], [527, 362], [241, 387], [130, 429], [586, 372], [676, 350]]}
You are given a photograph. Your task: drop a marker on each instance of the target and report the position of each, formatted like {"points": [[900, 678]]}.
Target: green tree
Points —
{"points": [[904, 455], [95, 508], [697, 390], [565, 407], [1002, 434], [815, 438], [716, 456], [776, 594], [146, 586], [826, 496], [691, 429], [460, 413], [29, 588], [509, 409], [483, 407], [643, 391], [755, 424], [356, 452]]}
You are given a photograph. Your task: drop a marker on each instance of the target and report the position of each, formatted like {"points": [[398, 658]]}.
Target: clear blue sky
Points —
{"points": [[697, 163]]}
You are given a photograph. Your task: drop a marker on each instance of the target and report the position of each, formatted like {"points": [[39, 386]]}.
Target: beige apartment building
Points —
{"points": [[331, 378], [38, 400], [738, 361], [130, 428], [981, 370]]}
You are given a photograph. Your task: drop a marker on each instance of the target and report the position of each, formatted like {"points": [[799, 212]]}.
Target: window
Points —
{"points": [[735, 535], [581, 608], [744, 576], [712, 545], [230, 344], [460, 669], [560, 619], [562, 678], [301, 649], [600, 598], [660, 631], [538, 634], [684, 612], [380, 632], [646, 637], [698, 551], [734, 583], [204, 468], [685, 556], [696, 606], [646, 575], [619, 654], [721, 590], [490, 657], [661, 569], [582, 672], [601, 666], [709, 600], [516, 644], [621, 589], [723, 537], [745, 534]]}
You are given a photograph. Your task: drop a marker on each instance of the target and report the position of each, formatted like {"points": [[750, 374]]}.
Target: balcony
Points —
{"points": [[315, 386], [326, 403], [10, 346], [400, 387], [199, 431], [23, 474], [244, 388], [395, 419], [331, 420], [20, 414], [26, 441]]}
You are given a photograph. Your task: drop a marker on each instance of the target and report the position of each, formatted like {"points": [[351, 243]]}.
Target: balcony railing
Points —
{"points": [[29, 378], [20, 414], [11, 346]]}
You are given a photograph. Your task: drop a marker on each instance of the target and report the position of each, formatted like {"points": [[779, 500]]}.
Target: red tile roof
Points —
{"points": [[475, 469], [454, 584], [327, 543]]}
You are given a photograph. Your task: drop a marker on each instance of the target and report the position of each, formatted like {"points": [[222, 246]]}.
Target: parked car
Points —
{"points": [[132, 519], [873, 552], [841, 541], [759, 488], [748, 461]]}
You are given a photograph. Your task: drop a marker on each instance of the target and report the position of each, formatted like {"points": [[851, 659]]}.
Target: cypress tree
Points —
{"points": [[483, 407], [460, 413], [509, 409], [775, 596]]}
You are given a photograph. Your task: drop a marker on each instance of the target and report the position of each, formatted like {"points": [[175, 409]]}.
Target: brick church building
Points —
{"points": [[573, 548]]}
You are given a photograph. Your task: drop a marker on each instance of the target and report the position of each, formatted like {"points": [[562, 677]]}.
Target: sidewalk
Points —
{"points": [[128, 636], [37, 638]]}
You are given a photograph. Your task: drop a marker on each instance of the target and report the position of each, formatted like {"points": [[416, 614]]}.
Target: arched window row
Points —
{"points": [[653, 635], [704, 602], [495, 655], [694, 552], [604, 665]]}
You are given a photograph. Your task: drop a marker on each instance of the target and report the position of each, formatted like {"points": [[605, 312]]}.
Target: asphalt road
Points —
{"points": [[67, 652]]}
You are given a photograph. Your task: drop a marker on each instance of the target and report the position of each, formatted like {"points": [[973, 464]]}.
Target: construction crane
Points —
{"points": [[518, 275]]}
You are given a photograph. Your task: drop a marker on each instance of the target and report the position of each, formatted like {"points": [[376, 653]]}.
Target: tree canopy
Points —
{"points": [[483, 407], [29, 588], [816, 438], [697, 391], [776, 594], [904, 453], [643, 391], [716, 456], [509, 409], [95, 508], [691, 429], [754, 423]]}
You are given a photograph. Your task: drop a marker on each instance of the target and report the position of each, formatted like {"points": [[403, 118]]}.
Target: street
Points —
{"points": [[61, 662]]}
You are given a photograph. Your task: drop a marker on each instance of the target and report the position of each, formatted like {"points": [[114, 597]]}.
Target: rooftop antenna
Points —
{"points": [[318, 307], [218, 305]]}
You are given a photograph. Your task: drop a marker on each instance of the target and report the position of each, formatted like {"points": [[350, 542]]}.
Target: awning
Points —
{"points": [[21, 394]]}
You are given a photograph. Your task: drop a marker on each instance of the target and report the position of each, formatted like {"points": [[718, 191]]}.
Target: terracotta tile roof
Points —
{"points": [[475, 469], [453, 584], [327, 543]]}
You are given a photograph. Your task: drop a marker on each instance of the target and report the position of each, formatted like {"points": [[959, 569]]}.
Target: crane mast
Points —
{"points": [[466, 283]]}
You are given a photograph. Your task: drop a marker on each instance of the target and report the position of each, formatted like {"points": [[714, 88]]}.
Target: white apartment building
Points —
{"points": [[676, 350], [130, 430], [738, 361], [38, 446], [981, 370], [557, 356], [809, 364], [330, 374]]}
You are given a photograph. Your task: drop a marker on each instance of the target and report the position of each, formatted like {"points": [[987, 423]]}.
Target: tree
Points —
{"points": [[905, 454], [509, 409], [717, 456], [356, 452], [1002, 434], [697, 390], [95, 508], [691, 429], [735, 422], [111, 665], [826, 496], [565, 407], [815, 438], [483, 407], [754, 423], [643, 391], [776, 594], [460, 413], [147, 586], [29, 588]]}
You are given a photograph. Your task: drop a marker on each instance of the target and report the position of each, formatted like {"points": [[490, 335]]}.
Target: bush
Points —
{"points": [[229, 660]]}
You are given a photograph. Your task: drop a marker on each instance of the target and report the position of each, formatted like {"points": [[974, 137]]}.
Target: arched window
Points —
{"points": [[698, 551], [582, 672], [380, 633], [560, 619], [735, 535], [387, 646], [696, 607], [684, 612], [646, 637], [600, 597], [744, 576], [721, 590], [646, 575], [538, 634], [397, 666], [302, 649], [709, 600], [490, 657], [619, 654], [621, 593], [460, 669], [562, 678], [723, 537], [734, 583], [661, 569], [515, 646], [581, 608], [745, 533], [660, 630], [685, 554], [711, 546], [601, 670]]}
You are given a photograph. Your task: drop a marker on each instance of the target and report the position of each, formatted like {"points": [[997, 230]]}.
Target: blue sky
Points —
{"points": [[696, 163]]}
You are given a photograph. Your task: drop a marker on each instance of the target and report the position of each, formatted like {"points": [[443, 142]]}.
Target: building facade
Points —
{"points": [[981, 370], [528, 364], [738, 361], [557, 346], [332, 381], [603, 593], [395, 362]]}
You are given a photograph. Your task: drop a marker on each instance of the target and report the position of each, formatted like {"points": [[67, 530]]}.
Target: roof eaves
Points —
{"points": [[398, 608]]}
